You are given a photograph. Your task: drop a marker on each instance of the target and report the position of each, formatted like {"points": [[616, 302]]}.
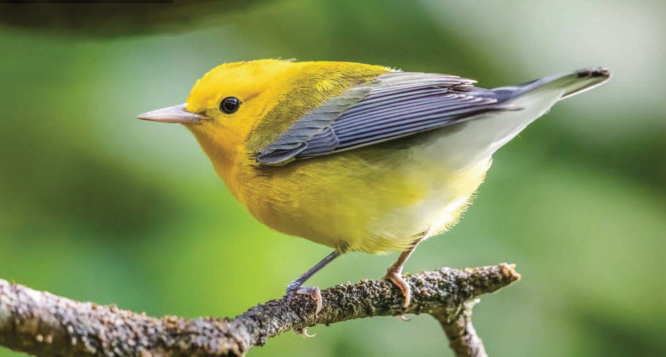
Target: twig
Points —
{"points": [[46, 325], [461, 334]]}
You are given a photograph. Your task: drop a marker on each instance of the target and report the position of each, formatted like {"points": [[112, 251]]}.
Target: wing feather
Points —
{"points": [[392, 106]]}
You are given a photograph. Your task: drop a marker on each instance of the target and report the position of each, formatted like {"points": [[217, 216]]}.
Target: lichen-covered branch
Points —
{"points": [[46, 325]]}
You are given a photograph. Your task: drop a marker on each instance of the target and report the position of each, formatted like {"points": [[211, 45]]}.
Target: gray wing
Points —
{"points": [[393, 105]]}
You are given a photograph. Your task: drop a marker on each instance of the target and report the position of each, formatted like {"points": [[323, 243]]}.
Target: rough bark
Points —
{"points": [[46, 325]]}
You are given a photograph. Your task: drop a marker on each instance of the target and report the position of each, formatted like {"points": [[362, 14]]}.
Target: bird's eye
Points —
{"points": [[229, 105]]}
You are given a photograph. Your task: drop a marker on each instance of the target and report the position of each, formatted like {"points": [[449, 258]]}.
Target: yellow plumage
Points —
{"points": [[367, 200], [353, 156]]}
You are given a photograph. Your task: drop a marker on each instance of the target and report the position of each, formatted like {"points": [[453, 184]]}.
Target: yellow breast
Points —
{"points": [[372, 200]]}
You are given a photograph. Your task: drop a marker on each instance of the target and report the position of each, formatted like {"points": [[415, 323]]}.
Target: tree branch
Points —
{"points": [[46, 325]]}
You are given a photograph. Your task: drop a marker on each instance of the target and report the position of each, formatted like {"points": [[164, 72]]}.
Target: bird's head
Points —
{"points": [[237, 108], [227, 104]]}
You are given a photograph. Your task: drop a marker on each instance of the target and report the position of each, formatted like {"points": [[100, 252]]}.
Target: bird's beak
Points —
{"points": [[175, 114]]}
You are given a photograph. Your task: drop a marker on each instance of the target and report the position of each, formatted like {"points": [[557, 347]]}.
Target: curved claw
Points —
{"points": [[398, 281], [404, 318], [314, 293], [304, 332]]}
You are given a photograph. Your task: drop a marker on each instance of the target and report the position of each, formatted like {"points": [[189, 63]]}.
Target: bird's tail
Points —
{"points": [[477, 139], [569, 83]]}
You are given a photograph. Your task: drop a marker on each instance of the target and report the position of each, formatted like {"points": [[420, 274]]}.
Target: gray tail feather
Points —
{"points": [[572, 83]]}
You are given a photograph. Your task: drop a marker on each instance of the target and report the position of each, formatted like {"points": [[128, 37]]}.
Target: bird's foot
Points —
{"points": [[396, 278], [313, 291]]}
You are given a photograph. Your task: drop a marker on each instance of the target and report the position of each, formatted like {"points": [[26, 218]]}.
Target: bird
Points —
{"points": [[358, 157]]}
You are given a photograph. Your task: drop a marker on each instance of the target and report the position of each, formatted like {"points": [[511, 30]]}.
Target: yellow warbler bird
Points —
{"points": [[358, 157]]}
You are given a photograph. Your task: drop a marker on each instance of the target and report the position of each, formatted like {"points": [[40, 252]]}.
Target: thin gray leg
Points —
{"points": [[296, 284]]}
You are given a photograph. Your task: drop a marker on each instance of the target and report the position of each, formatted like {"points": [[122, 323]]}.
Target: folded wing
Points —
{"points": [[392, 106]]}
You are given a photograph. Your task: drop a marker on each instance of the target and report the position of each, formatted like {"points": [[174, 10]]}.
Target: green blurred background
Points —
{"points": [[96, 205]]}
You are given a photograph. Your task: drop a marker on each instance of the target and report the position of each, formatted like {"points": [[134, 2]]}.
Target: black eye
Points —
{"points": [[229, 105]]}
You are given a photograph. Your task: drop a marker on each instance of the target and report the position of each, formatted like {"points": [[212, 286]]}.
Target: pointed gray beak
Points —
{"points": [[175, 114]]}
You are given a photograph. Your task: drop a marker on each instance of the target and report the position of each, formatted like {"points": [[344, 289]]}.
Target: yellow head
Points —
{"points": [[232, 98], [236, 108]]}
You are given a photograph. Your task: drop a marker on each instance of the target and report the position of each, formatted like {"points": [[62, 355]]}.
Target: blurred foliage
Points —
{"points": [[96, 205], [95, 18]]}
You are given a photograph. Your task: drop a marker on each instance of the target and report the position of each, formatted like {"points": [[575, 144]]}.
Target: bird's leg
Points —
{"points": [[394, 272], [296, 286]]}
